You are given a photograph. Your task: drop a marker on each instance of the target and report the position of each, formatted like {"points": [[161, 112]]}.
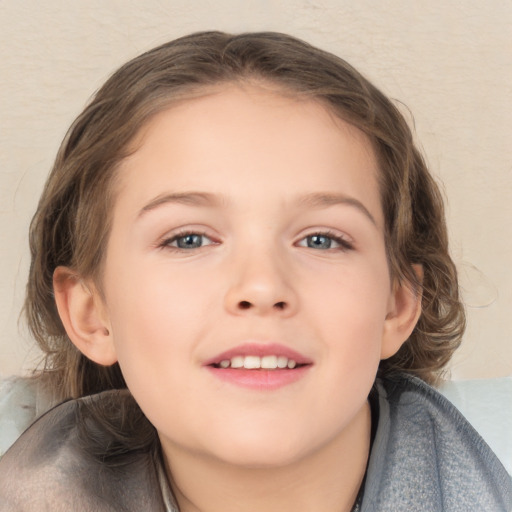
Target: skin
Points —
{"points": [[256, 276]]}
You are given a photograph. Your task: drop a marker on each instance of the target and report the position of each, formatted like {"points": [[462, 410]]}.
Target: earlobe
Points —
{"points": [[403, 314], [83, 315]]}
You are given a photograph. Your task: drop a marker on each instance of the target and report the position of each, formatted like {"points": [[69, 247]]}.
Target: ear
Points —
{"points": [[404, 310], [83, 313]]}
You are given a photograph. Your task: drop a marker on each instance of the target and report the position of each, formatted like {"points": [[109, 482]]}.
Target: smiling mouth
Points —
{"points": [[253, 362], [260, 367]]}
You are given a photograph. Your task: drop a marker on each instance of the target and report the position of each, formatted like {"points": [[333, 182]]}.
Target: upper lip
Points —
{"points": [[261, 350]]}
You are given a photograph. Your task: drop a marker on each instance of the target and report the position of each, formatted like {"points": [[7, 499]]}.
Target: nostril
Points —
{"points": [[245, 304]]}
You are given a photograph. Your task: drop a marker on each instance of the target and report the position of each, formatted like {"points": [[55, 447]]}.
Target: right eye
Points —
{"points": [[187, 241], [326, 241]]}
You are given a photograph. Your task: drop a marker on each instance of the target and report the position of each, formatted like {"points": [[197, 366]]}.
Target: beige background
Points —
{"points": [[450, 62]]}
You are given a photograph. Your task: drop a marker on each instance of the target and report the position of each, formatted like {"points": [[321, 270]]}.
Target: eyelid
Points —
{"points": [[343, 240], [165, 241]]}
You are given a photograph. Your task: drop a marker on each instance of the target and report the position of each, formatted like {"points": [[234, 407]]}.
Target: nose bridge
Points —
{"points": [[260, 279]]}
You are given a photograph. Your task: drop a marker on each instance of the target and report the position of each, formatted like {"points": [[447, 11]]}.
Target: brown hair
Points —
{"points": [[71, 224]]}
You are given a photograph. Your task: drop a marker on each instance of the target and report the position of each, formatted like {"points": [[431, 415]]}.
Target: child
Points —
{"points": [[240, 277]]}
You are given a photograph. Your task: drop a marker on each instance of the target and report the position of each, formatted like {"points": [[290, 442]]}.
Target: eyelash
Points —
{"points": [[344, 244], [166, 243], [341, 241]]}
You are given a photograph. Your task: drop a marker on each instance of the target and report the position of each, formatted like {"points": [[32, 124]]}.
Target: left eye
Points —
{"points": [[324, 242], [188, 241]]}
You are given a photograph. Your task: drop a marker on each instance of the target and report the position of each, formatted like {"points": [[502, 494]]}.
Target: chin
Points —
{"points": [[261, 453], [257, 459]]}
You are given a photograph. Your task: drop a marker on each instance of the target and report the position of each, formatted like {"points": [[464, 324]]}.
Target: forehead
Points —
{"points": [[243, 133]]}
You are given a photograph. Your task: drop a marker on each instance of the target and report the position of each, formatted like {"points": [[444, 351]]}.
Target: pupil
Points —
{"points": [[188, 241], [319, 241]]}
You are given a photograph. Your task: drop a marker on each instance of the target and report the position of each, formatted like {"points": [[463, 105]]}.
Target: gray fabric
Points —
{"points": [[68, 461], [22, 400], [487, 404], [425, 457]]}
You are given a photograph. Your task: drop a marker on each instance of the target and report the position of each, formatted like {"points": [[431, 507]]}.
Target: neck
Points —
{"points": [[328, 479]]}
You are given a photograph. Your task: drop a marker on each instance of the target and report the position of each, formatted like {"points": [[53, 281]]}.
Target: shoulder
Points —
{"points": [[22, 400], [426, 456], [486, 404], [95, 453]]}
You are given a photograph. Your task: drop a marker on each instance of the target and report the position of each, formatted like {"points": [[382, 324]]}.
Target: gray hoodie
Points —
{"points": [[425, 457]]}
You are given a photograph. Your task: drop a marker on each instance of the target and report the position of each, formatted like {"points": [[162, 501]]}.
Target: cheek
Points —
{"points": [[349, 310], [353, 298], [157, 319]]}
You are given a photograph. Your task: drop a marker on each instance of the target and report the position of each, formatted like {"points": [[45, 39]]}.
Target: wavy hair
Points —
{"points": [[72, 222]]}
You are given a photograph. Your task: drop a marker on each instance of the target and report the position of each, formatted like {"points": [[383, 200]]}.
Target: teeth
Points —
{"points": [[256, 362], [269, 362], [282, 362], [251, 362], [237, 362]]}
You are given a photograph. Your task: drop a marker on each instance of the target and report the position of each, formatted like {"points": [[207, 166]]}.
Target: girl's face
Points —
{"points": [[248, 236]]}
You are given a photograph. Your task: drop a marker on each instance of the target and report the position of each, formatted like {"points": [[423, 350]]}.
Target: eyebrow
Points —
{"points": [[324, 200], [186, 198], [314, 200]]}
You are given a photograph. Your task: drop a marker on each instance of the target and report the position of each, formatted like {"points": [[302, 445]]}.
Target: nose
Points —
{"points": [[261, 284]]}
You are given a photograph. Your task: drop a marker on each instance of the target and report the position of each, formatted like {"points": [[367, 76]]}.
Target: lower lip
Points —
{"points": [[265, 380]]}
